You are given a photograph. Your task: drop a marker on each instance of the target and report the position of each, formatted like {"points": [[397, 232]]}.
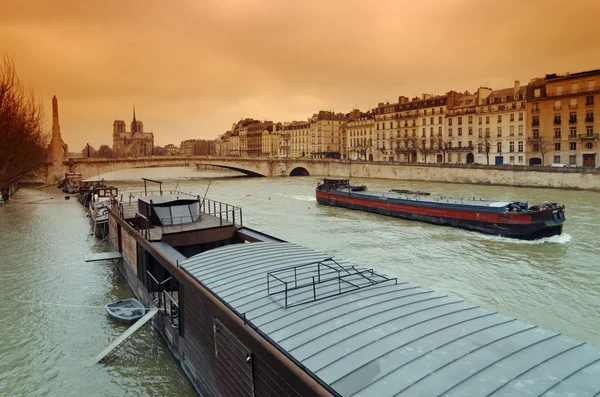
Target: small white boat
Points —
{"points": [[127, 310]]}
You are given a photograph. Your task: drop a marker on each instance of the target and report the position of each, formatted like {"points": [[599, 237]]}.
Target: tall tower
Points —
{"points": [[58, 150], [136, 126]]}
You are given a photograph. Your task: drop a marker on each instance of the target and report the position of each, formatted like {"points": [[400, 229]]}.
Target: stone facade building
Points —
{"points": [[560, 111], [359, 131], [134, 143]]}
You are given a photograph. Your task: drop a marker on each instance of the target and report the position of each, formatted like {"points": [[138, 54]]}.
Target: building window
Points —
{"points": [[521, 146], [499, 131], [573, 132], [512, 117], [572, 117], [439, 131], [535, 107], [512, 159], [535, 120], [431, 120], [459, 144], [480, 120], [449, 157], [572, 160], [470, 130], [521, 116], [470, 119], [536, 147], [449, 131], [557, 159], [589, 116], [459, 131], [511, 147], [520, 130], [440, 119], [557, 133], [487, 132], [487, 119], [589, 131], [460, 120], [499, 147], [572, 145], [557, 119], [479, 148], [499, 118], [520, 159], [574, 88], [589, 145], [537, 93], [512, 130], [450, 121], [589, 100], [557, 105], [480, 132], [573, 103], [557, 147]]}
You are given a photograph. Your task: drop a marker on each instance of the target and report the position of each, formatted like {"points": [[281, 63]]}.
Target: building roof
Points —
{"points": [[390, 338]]}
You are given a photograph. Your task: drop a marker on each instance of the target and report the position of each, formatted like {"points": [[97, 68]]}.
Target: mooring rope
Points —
{"points": [[81, 306]]}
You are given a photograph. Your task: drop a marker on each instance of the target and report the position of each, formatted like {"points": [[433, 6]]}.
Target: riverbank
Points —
{"points": [[517, 176]]}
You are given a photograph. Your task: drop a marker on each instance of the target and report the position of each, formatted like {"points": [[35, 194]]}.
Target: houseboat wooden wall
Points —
{"points": [[220, 353]]}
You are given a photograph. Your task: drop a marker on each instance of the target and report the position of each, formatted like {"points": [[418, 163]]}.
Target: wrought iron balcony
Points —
{"points": [[588, 136], [589, 119]]}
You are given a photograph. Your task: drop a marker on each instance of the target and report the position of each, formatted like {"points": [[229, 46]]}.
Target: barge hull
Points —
{"points": [[532, 230]]}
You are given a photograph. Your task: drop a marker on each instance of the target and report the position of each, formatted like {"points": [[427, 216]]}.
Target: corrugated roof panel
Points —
{"points": [[390, 338]]}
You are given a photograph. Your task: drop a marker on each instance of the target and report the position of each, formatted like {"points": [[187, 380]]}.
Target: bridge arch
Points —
{"points": [[299, 171]]}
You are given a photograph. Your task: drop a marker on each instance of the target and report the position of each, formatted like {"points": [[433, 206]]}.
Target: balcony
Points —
{"points": [[588, 136], [460, 149], [557, 121], [533, 140], [573, 120], [535, 123], [589, 119]]}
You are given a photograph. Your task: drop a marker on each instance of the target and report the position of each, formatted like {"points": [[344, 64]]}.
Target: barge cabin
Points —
{"points": [[248, 314]]}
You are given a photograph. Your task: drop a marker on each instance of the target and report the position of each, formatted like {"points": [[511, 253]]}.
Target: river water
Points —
{"points": [[52, 316]]}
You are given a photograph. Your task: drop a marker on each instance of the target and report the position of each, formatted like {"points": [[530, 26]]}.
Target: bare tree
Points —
{"points": [[364, 146], [426, 149], [441, 146], [486, 146], [545, 146], [23, 141], [406, 146], [159, 151], [104, 151]]}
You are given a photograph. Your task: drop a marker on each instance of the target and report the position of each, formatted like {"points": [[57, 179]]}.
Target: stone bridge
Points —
{"points": [[268, 167], [566, 178]]}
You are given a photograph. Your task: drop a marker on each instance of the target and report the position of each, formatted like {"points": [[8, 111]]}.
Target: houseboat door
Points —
{"points": [[234, 362]]}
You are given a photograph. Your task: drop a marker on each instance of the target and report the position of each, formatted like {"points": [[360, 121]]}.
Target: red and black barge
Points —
{"points": [[513, 219]]}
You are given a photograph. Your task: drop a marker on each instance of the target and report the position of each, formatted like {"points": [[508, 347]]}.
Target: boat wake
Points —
{"points": [[560, 239], [296, 197]]}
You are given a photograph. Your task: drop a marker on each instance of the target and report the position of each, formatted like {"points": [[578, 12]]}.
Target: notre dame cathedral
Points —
{"points": [[134, 143]]}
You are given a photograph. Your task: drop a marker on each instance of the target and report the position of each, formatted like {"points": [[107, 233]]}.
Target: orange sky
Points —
{"points": [[194, 67]]}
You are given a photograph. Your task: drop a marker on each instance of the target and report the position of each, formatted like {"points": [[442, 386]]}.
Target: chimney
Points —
{"points": [[517, 87]]}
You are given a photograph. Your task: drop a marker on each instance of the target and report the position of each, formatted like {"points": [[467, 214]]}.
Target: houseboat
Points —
{"points": [[513, 219], [248, 314], [100, 199], [71, 182]]}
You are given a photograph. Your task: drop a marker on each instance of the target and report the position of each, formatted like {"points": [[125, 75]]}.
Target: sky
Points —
{"points": [[193, 68]]}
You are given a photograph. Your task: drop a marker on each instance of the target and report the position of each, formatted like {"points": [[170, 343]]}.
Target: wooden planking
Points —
{"points": [[103, 256], [125, 335]]}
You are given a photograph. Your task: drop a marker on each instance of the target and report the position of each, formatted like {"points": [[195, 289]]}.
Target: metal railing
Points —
{"points": [[322, 279], [166, 302], [225, 212]]}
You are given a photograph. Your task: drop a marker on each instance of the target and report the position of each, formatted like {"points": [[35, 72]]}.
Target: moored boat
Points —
{"points": [[127, 310], [99, 202], [512, 219]]}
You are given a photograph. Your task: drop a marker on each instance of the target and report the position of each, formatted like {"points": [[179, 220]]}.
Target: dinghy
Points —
{"points": [[127, 310]]}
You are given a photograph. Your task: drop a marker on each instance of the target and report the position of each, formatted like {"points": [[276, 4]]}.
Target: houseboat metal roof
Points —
{"points": [[391, 338], [167, 199]]}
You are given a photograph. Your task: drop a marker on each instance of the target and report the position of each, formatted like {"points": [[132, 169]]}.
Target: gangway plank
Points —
{"points": [[103, 256], [125, 335]]}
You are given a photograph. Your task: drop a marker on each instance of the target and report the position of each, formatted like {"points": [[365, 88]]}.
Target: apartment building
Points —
{"points": [[299, 138], [325, 134], [560, 111], [359, 135]]}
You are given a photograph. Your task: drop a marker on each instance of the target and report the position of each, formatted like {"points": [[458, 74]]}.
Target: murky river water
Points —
{"points": [[52, 316]]}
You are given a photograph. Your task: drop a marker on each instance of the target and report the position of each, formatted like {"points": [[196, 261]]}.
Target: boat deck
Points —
{"points": [[156, 233], [428, 199]]}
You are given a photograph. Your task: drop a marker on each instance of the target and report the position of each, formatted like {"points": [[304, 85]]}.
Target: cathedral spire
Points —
{"points": [[134, 113], [134, 123]]}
